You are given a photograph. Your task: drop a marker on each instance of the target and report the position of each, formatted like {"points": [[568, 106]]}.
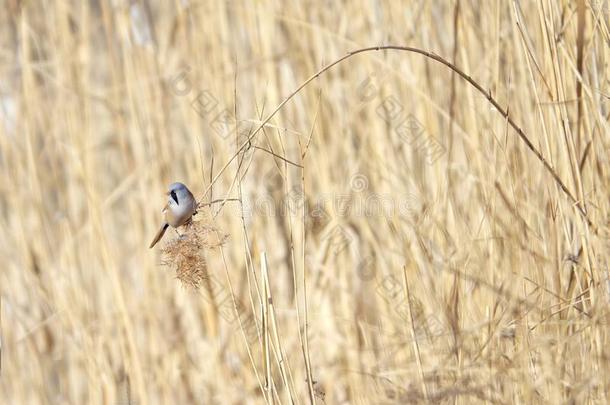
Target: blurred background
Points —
{"points": [[389, 237]]}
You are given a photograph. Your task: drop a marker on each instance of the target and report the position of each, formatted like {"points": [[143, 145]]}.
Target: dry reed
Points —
{"points": [[421, 228]]}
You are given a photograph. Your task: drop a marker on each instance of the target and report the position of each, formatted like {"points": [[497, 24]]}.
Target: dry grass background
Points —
{"points": [[478, 281]]}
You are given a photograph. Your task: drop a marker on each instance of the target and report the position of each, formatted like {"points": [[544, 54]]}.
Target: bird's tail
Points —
{"points": [[159, 235]]}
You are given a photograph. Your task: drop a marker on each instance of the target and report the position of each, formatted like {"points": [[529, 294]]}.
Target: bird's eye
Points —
{"points": [[174, 196]]}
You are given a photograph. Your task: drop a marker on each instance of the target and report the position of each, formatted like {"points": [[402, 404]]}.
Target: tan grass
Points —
{"points": [[186, 254], [333, 260]]}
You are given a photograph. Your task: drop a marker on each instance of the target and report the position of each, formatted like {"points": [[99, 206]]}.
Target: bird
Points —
{"points": [[180, 208]]}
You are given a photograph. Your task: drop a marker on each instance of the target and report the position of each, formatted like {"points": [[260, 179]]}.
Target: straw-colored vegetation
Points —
{"points": [[387, 237]]}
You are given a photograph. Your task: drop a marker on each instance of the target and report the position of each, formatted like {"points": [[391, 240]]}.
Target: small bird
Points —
{"points": [[180, 208]]}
